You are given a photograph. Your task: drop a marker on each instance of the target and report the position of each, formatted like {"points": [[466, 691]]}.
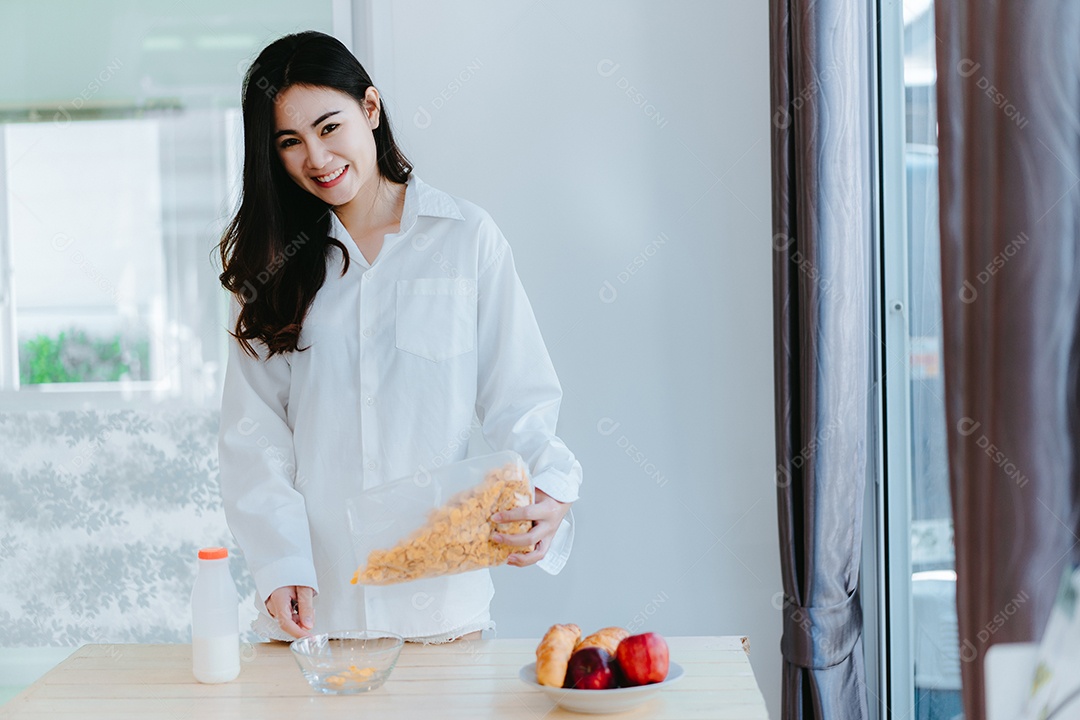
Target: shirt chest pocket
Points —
{"points": [[436, 317]]}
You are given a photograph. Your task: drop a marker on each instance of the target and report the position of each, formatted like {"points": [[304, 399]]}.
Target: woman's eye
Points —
{"points": [[330, 127], [287, 143]]}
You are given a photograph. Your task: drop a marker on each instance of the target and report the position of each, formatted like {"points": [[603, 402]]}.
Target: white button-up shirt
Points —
{"points": [[408, 355]]}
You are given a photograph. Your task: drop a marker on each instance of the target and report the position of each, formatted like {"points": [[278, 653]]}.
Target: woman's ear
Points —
{"points": [[371, 107]]}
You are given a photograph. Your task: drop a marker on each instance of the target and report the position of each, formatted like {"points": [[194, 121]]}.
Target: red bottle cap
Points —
{"points": [[213, 553]]}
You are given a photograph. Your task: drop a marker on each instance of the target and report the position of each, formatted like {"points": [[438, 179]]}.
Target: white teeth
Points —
{"points": [[331, 176]]}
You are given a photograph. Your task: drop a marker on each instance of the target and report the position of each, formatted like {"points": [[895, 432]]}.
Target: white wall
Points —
{"points": [[523, 108]]}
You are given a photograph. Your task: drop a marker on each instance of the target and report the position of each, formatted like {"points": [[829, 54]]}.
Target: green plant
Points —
{"points": [[76, 356]]}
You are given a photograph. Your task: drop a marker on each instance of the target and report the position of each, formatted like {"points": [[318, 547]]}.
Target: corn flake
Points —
{"points": [[457, 535]]}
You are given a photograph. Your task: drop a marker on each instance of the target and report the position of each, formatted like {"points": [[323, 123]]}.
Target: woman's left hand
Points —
{"points": [[546, 515]]}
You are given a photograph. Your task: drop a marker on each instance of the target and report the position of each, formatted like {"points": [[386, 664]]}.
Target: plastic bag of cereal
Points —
{"points": [[438, 522]]}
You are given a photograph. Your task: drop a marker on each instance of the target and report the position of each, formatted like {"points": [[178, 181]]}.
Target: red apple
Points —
{"points": [[590, 669], [643, 658]]}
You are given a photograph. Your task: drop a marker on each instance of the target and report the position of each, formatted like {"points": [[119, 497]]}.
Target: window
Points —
{"points": [[119, 169], [922, 649], [84, 216]]}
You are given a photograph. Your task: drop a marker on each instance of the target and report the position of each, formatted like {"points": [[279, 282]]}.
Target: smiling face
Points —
{"points": [[325, 141]]}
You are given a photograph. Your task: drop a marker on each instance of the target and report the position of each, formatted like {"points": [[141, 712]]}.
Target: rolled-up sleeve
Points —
{"points": [[518, 392], [263, 508]]}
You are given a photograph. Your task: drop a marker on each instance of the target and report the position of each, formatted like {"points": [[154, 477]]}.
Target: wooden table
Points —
{"points": [[471, 680]]}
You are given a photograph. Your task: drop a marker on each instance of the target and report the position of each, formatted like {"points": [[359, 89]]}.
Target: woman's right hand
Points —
{"points": [[291, 607]]}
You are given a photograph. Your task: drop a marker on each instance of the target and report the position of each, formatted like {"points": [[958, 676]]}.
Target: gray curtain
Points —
{"points": [[823, 294], [1008, 77]]}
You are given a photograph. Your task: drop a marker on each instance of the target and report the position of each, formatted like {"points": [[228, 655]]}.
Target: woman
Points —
{"points": [[375, 319]]}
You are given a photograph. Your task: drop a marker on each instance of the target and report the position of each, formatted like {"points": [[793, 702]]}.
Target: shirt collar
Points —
{"points": [[427, 201], [420, 199]]}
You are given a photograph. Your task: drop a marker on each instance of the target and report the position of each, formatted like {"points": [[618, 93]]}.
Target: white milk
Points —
{"points": [[215, 619], [215, 659]]}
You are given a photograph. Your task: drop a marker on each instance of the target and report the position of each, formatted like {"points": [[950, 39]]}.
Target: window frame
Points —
{"points": [[891, 619], [9, 350]]}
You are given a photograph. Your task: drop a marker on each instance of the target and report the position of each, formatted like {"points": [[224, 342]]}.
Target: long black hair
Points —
{"points": [[274, 252]]}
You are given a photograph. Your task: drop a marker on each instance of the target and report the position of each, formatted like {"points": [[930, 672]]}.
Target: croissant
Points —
{"points": [[607, 638], [553, 653]]}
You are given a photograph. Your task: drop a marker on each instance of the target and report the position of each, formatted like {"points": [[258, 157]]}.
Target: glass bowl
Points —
{"points": [[347, 662]]}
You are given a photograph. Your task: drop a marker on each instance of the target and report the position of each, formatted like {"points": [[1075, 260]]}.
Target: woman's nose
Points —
{"points": [[318, 155]]}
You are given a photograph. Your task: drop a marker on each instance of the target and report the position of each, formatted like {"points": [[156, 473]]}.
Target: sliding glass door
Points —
{"points": [[920, 658]]}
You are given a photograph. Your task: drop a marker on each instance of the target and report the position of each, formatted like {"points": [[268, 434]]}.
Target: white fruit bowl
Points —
{"points": [[600, 701]]}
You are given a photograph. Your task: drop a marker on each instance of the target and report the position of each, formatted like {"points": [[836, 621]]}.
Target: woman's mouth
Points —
{"points": [[331, 179]]}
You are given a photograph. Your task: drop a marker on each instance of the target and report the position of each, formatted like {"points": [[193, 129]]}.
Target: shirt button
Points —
{"points": [[370, 400], [369, 274], [368, 333], [371, 465]]}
